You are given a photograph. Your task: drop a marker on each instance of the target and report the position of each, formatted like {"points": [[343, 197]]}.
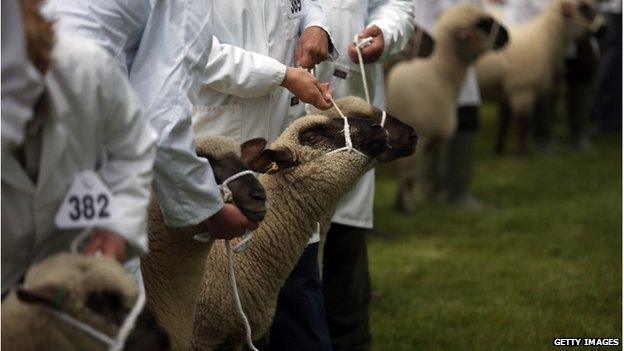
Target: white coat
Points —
{"points": [[348, 18], [92, 120], [522, 11], [427, 13], [241, 97], [21, 82], [164, 47]]}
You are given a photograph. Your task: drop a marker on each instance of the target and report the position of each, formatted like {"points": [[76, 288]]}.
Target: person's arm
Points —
{"points": [[129, 143], [234, 71], [395, 19]]}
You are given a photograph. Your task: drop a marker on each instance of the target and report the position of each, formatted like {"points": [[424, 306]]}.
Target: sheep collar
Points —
{"points": [[119, 341], [347, 135]]}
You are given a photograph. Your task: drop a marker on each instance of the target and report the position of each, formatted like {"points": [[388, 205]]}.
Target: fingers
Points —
{"points": [[372, 31], [306, 61], [252, 225], [108, 243], [94, 245]]}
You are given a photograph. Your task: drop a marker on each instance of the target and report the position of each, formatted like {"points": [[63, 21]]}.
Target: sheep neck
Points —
{"points": [[173, 270], [297, 204], [552, 26], [446, 60]]}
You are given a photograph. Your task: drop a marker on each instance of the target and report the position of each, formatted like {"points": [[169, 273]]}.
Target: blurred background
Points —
{"points": [[542, 259]]}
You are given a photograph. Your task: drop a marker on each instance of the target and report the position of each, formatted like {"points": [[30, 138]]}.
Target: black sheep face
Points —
{"points": [[247, 192], [402, 138]]}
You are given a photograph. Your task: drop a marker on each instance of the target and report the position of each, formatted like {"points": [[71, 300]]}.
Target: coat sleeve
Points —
{"points": [[395, 18], [235, 71], [129, 143], [314, 16]]}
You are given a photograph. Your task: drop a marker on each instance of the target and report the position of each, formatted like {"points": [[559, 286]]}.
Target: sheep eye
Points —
{"points": [[485, 24], [587, 11]]}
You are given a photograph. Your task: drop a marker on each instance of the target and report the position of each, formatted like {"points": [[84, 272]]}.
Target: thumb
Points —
{"points": [[371, 31]]}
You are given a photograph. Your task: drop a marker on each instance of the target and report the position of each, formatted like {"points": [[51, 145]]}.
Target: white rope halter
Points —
{"points": [[242, 246], [359, 44], [119, 341], [347, 135]]}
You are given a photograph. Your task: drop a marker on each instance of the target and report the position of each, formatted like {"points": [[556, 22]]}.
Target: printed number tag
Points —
{"points": [[88, 203], [295, 8]]}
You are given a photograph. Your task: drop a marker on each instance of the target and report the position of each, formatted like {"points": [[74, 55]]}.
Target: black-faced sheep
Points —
{"points": [[309, 183], [93, 290], [525, 70], [424, 93], [174, 268]]}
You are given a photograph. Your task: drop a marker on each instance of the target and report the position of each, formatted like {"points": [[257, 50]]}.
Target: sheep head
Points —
{"points": [[227, 158], [96, 291], [301, 151], [421, 43], [470, 31], [402, 138], [581, 16]]}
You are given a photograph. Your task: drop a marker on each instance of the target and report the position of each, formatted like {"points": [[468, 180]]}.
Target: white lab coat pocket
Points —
{"points": [[224, 120], [346, 80]]}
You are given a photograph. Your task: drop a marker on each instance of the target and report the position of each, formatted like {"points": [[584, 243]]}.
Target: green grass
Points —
{"points": [[542, 261]]}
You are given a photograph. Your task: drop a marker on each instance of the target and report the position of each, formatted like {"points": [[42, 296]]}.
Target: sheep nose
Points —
{"points": [[376, 126], [257, 194], [413, 136]]}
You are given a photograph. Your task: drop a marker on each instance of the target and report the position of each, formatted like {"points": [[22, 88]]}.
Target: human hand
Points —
{"points": [[371, 52], [305, 86], [108, 242], [312, 47], [228, 223]]}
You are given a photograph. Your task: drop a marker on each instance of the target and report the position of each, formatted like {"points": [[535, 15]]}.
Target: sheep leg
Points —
{"points": [[407, 168], [523, 134], [432, 177], [504, 119]]}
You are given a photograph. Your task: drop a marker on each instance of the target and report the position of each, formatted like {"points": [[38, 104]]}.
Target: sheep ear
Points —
{"points": [[272, 160], [251, 149], [48, 295], [567, 9], [465, 34]]}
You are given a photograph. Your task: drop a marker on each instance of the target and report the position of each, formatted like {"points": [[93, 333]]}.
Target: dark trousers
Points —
{"points": [[299, 323], [347, 290], [609, 97]]}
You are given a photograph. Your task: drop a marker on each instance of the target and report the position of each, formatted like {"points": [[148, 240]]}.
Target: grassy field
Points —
{"points": [[542, 261]]}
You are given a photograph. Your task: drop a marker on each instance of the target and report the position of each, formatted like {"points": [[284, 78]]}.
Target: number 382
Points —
{"points": [[88, 207]]}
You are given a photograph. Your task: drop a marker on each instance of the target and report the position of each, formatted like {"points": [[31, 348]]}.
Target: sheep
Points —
{"points": [[525, 70], [94, 290], [402, 141], [172, 283], [424, 93], [421, 45], [308, 186]]}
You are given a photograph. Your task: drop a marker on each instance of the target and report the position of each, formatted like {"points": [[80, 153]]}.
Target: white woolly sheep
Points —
{"points": [[524, 71], [308, 186], [174, 268], [96, 291], [424, 93]]}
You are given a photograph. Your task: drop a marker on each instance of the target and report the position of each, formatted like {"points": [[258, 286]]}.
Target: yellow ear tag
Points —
{"points": [[272, 168]]}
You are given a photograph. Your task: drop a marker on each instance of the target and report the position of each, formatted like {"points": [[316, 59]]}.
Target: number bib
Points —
{"points": [[88, 203]]}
